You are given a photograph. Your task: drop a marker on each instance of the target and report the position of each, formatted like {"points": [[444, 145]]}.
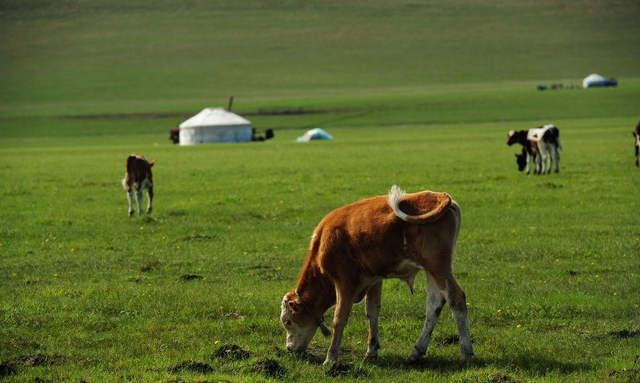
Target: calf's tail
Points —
{"points": [[395, 197], [558, 144]]}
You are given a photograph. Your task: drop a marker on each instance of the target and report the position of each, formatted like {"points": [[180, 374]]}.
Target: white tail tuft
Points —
{"points": [[395, 196]]}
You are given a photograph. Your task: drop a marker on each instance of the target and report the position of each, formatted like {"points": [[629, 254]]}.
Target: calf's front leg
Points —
{"points": [[340, 318]]}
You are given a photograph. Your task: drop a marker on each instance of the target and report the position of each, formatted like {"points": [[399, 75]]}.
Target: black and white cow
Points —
{"points": [[636, 136], [541, 144], [138, 176], [524, 159]]}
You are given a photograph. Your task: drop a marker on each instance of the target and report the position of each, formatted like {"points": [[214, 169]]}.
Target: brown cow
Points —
{"points": [[138, 176], [356, 247]]}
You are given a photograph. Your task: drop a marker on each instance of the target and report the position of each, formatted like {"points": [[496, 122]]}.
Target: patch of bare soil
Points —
{"points": [[235, 316], [232, 352], [193, 366], [270, 368], [343, 369], [161, 115], [500, 378], [7, 368], [151, 266], [624, 334], [191, 277], [126, 116], [451, 339], [41, 359], [631, 375]]}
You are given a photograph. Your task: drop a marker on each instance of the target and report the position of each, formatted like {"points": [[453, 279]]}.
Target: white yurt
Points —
{"points": [[591, 79], [214, 125], [595, 80]]}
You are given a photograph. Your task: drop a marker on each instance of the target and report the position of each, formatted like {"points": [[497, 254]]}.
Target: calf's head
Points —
{"points": [[298, 322], [516, 137], [510, 137], [521, 159]]}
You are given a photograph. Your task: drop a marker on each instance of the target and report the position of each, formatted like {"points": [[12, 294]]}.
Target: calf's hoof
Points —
{"points": [[371, 354], [131, 214], [149, 211], [414, 357], [464, 359], [328, 362]]}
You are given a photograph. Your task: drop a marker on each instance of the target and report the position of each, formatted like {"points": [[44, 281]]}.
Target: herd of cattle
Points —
{"points": [[356, 247], [541, 145]]}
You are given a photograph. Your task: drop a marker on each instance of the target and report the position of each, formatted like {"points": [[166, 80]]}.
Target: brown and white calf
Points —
{"points": [[356, 247], [138, 176], [636, 136]]}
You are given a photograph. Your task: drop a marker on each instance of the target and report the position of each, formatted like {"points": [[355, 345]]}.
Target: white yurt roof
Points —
{"points": [[594, 77], [215, 125], [214, 117]]}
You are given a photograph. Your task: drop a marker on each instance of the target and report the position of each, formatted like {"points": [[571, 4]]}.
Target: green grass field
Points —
{"points": [[415, 94]]}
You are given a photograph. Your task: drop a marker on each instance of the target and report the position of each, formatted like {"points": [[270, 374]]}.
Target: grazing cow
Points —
{"points": [[524, 159], [540, 144], [356, 247], [636, 135], [138, 176]]}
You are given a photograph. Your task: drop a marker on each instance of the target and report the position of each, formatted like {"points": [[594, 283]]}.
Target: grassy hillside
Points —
{"points": [[549, 264], [419, 94], [77, 56]]}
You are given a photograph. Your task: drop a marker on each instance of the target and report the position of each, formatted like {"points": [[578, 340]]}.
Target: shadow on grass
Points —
{"points": [[530, 362]]}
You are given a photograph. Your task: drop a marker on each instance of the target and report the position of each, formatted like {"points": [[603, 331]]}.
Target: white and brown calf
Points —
{"points": [[138, 176], [546, 143], [636, 136], [356, 247]]}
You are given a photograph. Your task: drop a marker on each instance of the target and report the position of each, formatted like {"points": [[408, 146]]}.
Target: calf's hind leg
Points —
{"points": [[435, 303], [438, 292], [373, 306], [458, 303], [150, 195], [130, 199], [139, 200]]}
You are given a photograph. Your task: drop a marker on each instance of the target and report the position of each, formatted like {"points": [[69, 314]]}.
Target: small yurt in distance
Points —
{"points": [[214, 125], [595, 80]]}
